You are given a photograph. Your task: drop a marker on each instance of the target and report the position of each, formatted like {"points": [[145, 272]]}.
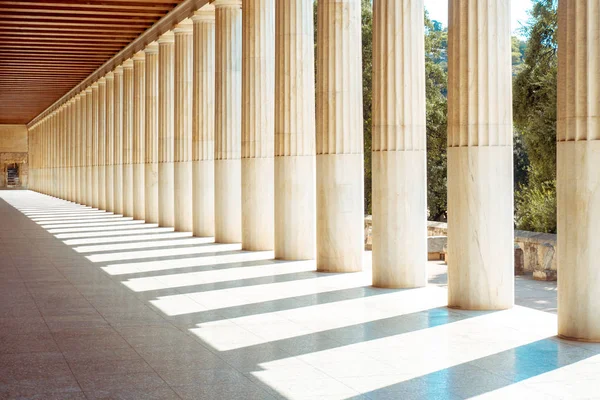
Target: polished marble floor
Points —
{"points": [[96, 306]]}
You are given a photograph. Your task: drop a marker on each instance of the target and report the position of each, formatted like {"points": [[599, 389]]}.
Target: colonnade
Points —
{"points": [[220, 128]]}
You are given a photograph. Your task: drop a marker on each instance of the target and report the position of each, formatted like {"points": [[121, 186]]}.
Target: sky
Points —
{"points": [[438, 10]]}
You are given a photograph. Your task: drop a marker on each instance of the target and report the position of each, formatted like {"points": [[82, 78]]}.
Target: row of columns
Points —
{"points": [[220, 129]]}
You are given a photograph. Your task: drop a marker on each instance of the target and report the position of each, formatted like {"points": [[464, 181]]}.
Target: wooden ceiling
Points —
{"points": [[48, 47]]}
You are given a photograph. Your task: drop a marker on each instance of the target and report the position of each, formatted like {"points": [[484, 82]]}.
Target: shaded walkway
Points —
{"points": [[94, 305]]}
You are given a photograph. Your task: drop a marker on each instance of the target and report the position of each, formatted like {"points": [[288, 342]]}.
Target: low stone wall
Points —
{"points": [[534, 252]]}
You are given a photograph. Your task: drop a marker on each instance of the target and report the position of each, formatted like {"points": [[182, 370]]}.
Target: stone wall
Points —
{"points": [[534, 252], [13, 150]]}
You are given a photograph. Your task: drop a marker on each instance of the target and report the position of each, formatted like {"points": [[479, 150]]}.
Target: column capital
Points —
{"points": [[110, 75], [167, 37], [184, 27], [101, 81], [227, 3], [152, 48], [204, 14], [128, 64], [118, 70], [88, 90], [139, 56]]}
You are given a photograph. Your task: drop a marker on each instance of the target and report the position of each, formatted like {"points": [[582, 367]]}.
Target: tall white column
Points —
{"points": [[203, 122], [166, 130], [151, 135], [127, 105], [109, 143], [183, 126], [399, 160], [118, 140], [228, 135], [89, 145], [578, 183], [340, 171], [480, 171], [258, 124], [94, 147], [139, 136], [295, 230], [80, 148], [101, 144]]}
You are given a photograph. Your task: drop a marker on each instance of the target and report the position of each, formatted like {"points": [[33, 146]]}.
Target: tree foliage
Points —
{"points": [[534, 107], [436, 87]]}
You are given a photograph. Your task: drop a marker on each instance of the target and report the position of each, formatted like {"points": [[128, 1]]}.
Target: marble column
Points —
{"points": [[85, 188], [118, 140], [578, 170], [151, 135], [203, 122], [101, 144], [183, 126], [340, 170], [258, 129], [89, 146], [139, 136], [399, 159], [166, 130], [109, 158], [127, 106], [228, 135], [80, 147], [94, 147], [295, 231], [480, 170]]}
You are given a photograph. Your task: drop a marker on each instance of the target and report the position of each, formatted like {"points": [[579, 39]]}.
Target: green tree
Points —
{"points": [[436, 87], [534, 107]]}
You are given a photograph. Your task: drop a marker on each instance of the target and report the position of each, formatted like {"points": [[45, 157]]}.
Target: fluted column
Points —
{"points": [[183, 126], [340, 180], [151, 135], [228, 135], [578, 175], [294, 131], [87, 158], [258, 124], [118, 140], [80, 148], [480, 171], [203, 122], [68, 150], [102, 144], [94, 147], [139, 136], [399, 160], [166, 130], [109, 159], [127, 106]]}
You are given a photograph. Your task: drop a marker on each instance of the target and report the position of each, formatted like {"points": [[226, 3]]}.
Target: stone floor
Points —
{"points": [[94, 305]]}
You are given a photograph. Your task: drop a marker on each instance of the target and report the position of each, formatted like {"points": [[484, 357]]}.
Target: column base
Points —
{"points": [[204, 198], [578, 195], [184, 221], [109, 188], [166, 194], [399, 219], [127, 190], [480, 228], [118, 189], [257, 204], [340, 212], [102, 187], [139, 192], [295, 205], [228, 201], [151, 193]]}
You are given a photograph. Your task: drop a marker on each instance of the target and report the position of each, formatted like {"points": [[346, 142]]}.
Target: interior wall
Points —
{"points": [[13, 149]]}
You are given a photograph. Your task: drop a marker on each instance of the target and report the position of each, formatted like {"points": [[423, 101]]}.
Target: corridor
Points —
{"points": [[94, 305]]}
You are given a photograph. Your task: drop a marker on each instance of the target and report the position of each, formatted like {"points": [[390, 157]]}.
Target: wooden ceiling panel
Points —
{"points": [[48, 47]]}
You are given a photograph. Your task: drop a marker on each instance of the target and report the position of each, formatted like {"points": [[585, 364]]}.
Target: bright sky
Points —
{"points": [[438, 10]]}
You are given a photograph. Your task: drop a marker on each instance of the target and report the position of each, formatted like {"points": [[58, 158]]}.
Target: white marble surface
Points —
{"points": [[150, 315]]}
